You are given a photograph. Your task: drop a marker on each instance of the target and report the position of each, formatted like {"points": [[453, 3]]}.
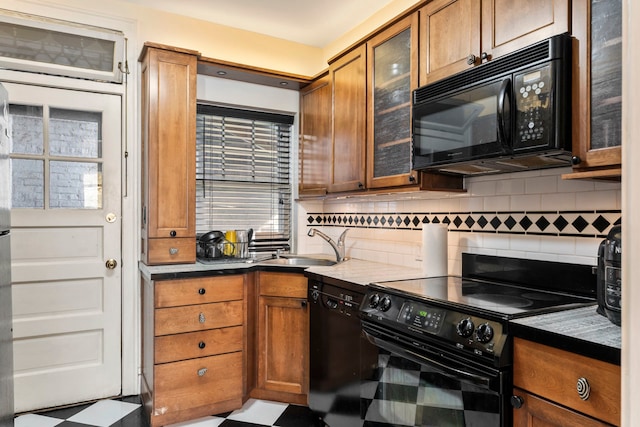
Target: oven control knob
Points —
{"points": [[484, 333], [374, 300], [385, 303], [465, 327]]}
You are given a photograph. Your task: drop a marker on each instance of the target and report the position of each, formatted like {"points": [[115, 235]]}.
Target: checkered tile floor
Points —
{"points": [[128, 412]]}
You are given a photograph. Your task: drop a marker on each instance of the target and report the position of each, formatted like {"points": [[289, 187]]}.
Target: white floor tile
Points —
{"points": [[33, 420], [104, 413], [201, 422], [259, 412]]}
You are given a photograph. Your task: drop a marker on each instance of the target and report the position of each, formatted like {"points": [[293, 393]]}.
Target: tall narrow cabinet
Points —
{"points": [[168, 154]]}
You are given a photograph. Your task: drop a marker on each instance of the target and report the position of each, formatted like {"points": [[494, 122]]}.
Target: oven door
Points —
{"points": [[406, 383]]}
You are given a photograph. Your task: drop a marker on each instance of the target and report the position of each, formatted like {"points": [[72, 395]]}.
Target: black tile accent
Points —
{"points": [[542, 223], [469, 221], [565, 223], [580, 223], [601, 223], [495, 222], [526, 222], [510, 222], [560, 223]]}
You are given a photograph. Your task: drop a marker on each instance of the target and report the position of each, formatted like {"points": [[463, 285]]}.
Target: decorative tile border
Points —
{"points": [[547, 223]]}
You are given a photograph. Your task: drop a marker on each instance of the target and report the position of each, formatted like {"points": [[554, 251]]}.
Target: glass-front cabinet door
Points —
{"points": [[597, 103], [392, 74]]}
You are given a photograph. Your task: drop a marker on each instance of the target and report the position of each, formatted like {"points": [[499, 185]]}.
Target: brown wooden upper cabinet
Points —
{"points": [[458, 34], [315, 137], [597, 89], [168, 163], [348, 137], [392, 73]]}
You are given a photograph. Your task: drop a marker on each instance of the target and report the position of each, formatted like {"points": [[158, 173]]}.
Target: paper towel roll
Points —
{"points": [[434, 250]]}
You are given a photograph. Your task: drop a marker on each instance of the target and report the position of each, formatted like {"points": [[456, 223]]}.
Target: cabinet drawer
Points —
{"points": [[171, 293], [183, 385], [170, 348], [553, 374], [199, 317], [171, 251], [283, 284]]}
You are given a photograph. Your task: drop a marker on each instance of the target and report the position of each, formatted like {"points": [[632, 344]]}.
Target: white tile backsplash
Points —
{"points": [[510, 194]]}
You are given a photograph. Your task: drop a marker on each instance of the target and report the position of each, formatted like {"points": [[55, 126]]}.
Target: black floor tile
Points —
{"points": [[296, 416], [234, 423]]}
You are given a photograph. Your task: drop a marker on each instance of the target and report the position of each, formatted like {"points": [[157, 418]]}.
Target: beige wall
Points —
{"points": [[212, 40]]}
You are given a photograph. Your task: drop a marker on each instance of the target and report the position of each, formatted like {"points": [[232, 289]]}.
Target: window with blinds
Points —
{"points": [[242, 174]]}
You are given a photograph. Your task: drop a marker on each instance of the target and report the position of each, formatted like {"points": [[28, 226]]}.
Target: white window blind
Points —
{"points": [[242, 174]]}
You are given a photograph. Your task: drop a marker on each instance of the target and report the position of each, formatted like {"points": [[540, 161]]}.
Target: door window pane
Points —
{"points": [[75, 133], [44, 173], [75, 185], [27, 184], [27, 129]]}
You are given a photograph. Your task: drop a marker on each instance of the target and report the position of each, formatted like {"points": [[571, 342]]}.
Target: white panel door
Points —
{"points": [[66, 226]]}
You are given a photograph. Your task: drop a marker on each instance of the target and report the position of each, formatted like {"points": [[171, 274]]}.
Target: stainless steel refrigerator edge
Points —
{"points": [[6, 330]]}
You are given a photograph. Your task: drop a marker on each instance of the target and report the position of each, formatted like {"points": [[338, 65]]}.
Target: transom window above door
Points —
{"points": [[56, 157]]}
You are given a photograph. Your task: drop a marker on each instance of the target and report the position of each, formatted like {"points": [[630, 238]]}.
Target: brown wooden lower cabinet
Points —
{"points": [[538, 412], [283, 338], [193, 347], [546, 380]]}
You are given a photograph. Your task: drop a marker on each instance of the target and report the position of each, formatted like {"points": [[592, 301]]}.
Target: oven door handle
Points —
{"points": [[420, 359]]}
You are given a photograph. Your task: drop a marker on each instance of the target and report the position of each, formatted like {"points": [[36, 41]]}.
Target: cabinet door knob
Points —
{"points": [[471, 59], [173, 251], [484, 56], [517, 402], [202, 371], [172, 233], [202, 344], [576, 160], [583, 388], [360, 185], [303, 303], [202, 291], [202, 318]]}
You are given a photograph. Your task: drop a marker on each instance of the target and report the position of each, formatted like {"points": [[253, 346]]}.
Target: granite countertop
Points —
{"points": [[579, 330]]}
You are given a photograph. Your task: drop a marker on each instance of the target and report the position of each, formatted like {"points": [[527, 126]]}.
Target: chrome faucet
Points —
{"points": [[337, 247]]}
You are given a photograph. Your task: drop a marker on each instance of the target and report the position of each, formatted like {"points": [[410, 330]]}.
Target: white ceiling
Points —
{"points": [[310, 22]]}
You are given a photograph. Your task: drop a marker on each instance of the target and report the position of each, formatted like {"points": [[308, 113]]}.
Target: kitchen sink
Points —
{"points": [[299, 261]]}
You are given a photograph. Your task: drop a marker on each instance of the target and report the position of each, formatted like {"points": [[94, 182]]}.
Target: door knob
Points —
{"points": [[111, 264]]}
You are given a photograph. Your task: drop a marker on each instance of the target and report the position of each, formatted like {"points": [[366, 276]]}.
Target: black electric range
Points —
{"points": [[471, 312], [441, 347]]}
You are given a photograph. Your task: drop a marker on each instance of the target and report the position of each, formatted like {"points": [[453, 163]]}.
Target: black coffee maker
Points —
{"points": [[610, 275]]}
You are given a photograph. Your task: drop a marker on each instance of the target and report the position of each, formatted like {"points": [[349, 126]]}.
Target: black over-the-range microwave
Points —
{"points": [[509, 114]]}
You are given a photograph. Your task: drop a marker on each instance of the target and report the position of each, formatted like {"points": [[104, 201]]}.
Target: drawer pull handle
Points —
{"points": [[173, 251], [202, 291], [202, 344], [201, 318], [583, 388], [201, 372]]}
